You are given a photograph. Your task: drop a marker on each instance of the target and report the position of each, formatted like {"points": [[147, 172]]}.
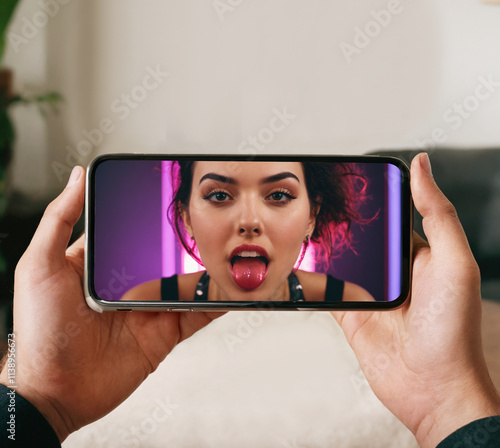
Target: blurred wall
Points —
{"points": [[209, 76]]}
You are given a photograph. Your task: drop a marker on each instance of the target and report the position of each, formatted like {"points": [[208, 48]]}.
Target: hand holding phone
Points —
{"points": [[423, 364], [425, 360], [70, 361], [222, 232]]}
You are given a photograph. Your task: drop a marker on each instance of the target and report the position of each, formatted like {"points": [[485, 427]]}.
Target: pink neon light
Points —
{"points": [[168, 235]]}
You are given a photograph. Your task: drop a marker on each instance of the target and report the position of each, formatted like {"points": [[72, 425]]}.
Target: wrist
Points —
{"points": [[43, 405], [458, 409]]}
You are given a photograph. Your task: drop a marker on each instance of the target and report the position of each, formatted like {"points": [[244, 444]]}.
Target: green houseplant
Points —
{"points": [[7, 8], [7, 99]]}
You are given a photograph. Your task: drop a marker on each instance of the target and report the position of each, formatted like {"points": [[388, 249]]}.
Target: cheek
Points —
{"points": [[288, 231], [209, 227]]}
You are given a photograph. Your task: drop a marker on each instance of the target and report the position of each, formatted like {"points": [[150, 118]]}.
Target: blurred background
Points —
{"points": [[207, 76], [222, 70]]}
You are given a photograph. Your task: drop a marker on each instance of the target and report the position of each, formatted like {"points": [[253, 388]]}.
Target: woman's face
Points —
{"points": [[249, 220]]}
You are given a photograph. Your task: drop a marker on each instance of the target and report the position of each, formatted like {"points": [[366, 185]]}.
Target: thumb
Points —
{"points": [[440, 220], [54, 231]]}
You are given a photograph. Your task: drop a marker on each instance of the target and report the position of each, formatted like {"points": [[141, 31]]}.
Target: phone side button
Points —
{"points": [[181, 309]]}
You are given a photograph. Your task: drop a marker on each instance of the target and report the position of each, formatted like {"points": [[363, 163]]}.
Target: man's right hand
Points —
{"points": [[424, 360]]}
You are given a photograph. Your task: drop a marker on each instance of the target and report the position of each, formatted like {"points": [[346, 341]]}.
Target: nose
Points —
{"points": [[249, 220]]}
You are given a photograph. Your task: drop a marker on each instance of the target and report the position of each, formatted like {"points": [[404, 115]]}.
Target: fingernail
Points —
{"points": [[75, 175], [425, 163]]}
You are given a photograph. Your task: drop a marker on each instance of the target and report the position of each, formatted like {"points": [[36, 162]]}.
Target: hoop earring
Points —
{"points": [[303, 251]]}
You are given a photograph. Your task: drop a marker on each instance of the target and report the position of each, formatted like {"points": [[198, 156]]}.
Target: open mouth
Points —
{"points": [[249, 269], [248, 255]]}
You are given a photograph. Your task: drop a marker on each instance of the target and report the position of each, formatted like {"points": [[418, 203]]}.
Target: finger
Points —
{"points": [[78, 246], [76, 253], [54, 231], [418, 242], [440, 221]]}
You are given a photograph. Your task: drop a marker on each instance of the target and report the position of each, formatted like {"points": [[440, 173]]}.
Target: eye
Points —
{"points": [[282, 196], [217, 196]]}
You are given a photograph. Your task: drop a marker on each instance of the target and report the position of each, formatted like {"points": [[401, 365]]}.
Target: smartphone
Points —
{"points": [[238, 232]]}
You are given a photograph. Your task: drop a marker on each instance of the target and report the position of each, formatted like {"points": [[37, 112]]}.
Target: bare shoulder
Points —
{"points": [[151, 291], [356, 293], [313, 285], [187, 284], [148, 291]]}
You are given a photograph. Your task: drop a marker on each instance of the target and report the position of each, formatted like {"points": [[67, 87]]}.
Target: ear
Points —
{"points": [[315, 208], [187, 220]]}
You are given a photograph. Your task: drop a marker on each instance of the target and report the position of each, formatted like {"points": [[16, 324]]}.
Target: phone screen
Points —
{"points": [[214, 228]]}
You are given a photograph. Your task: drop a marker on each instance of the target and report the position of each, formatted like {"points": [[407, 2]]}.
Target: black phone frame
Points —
{"points": [[406, 232]]}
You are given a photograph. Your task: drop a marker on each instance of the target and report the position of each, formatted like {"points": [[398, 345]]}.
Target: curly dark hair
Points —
{"points": [[337, 189]]}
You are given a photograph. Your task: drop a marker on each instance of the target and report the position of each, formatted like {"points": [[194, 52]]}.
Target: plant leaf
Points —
{"points": [[7, 8], [6, 130]]}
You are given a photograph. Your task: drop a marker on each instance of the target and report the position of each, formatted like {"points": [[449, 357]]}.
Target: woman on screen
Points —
{"points": [[250, 223]]}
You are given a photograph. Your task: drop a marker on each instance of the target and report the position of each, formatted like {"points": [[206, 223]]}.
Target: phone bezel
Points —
{"points": [[101, 305]]}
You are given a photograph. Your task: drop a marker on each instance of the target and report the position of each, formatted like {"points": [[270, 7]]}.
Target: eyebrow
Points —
{"points": [[266, 180]]}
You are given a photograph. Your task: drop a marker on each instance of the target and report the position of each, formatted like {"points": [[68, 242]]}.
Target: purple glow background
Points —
{"points": [[127, 225], [366, 267], [128, 230]]}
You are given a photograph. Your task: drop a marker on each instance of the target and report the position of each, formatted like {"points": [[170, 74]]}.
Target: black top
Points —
{"points": [[483, 433], [334, 288], [32, 430], [22, 424]]}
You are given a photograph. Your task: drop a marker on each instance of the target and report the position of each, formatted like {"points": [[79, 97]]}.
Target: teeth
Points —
{"points": [[248, 253]]}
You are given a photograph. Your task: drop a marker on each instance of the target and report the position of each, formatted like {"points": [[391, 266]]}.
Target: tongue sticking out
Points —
{"points": [[249, 273]]}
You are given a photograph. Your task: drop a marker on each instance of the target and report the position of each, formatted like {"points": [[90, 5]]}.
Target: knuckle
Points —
{"points": [[473, 270], [52, 210], [22, 266], [449, 210], [470, 271], [58, 215]]}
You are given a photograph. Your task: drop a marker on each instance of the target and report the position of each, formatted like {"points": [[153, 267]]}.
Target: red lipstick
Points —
{"points": [[249, 265]]}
